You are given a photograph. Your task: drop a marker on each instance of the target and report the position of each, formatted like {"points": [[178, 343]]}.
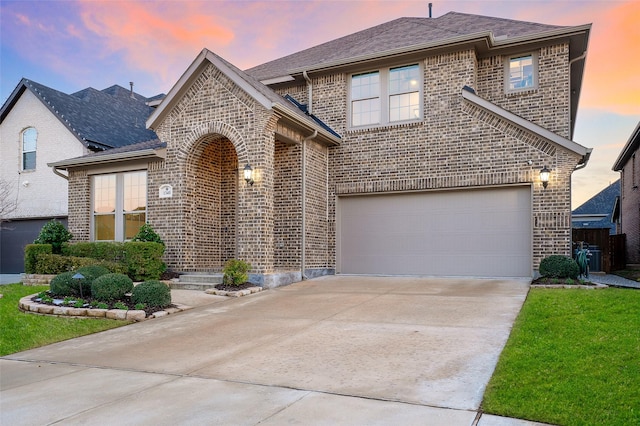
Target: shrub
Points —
{"points": [[556, 266], [54, 233], [235, 272], [92, 272], [56, 264], [144, 260], [152, 293], [31, 253], [109, 287], [109, 251], [147, 234], [65, 285]]}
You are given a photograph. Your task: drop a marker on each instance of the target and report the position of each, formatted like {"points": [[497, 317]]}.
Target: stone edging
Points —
{"points": [[237, 293], [586, 287], [29, 306]]}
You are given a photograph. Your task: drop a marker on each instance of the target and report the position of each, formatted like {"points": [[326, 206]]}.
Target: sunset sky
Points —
{"points": [[71, 45]]}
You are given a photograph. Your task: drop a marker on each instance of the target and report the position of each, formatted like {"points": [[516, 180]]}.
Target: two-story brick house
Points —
{"points": [[413, 147]]}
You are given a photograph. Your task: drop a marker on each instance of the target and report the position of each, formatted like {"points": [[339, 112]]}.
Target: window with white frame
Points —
{"points": [[386, 96], [119, 205], [521, 72], [29, 145]]}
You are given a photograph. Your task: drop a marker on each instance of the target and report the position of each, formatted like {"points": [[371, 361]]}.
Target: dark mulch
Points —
{"points": [[169, 275], [227, 287], [559, 281], [92, 304]]}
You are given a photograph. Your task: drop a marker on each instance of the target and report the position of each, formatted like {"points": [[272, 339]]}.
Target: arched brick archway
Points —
{"points": [[210, 202]]}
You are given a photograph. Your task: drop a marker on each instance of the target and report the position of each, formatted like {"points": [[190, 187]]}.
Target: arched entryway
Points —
{"points": [[211, 204]]}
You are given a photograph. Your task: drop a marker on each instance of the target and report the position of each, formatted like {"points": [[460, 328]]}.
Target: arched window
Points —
{"points": [[29, 142]]}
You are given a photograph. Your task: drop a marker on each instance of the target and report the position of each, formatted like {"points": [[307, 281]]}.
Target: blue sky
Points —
{"points": [[71, 45]]}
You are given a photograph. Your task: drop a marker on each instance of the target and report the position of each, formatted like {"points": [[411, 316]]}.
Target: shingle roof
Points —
{"points": [[602, 203], [397, 34], [101, 119]]}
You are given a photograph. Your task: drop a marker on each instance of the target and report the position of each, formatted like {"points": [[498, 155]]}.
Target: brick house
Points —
{"points": [[39, 125], [628, 164], [413, 147]]}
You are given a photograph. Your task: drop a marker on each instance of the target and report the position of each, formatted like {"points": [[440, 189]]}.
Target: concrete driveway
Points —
{"points": [[333, 350]]}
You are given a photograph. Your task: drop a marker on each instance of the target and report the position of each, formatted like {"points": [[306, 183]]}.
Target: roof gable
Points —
{"points": [[100, 119], [261, 93]]}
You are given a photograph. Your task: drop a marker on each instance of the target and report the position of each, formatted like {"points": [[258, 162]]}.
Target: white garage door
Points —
{"points": [[481, 232]]}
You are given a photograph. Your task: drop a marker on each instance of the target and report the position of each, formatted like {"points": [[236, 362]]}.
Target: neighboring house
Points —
{"points": [[598, 211], [628, 164], [413, 147], [39, 125]]}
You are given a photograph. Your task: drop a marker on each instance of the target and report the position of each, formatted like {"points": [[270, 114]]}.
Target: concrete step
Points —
{"points": [[197, 281]]}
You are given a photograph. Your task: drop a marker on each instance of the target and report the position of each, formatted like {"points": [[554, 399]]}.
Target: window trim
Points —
{"points": [[507, 73], [23, 152], [384, 94], [120, 212]]}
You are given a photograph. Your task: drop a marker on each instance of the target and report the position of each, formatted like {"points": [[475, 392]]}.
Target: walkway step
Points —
{"points": [[197, 281]]}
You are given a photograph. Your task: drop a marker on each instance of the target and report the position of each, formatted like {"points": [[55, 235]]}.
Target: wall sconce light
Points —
{"points": [[544, 176], [248, 174]]}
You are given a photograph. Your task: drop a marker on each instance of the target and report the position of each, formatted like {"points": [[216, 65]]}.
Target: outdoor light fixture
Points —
{"points": [[544, 176], [79, 277], [248, 174]]}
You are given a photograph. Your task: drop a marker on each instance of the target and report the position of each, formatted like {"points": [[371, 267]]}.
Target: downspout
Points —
{"points": [[56, 171], [309, 93], [571, 62], [303, 238]]}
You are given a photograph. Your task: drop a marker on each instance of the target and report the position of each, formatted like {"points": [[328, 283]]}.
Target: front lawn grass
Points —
{"points": [[573, 358], [20, 331]]}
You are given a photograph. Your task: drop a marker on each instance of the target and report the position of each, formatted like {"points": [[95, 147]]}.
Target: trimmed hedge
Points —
{"points": [[31, 253], [557, 266], [57, 264], [152, 293], [109, 287]]}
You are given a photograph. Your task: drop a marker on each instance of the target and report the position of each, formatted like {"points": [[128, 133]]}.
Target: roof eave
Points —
{"points": [[311, 127], [632, 145], [584, 152], [85, 161]]}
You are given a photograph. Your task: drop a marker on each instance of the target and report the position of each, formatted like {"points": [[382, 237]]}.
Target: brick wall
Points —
{"points": [[630, 208], [79, 222]]}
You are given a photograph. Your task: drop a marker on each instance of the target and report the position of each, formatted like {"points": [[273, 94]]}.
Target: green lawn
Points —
{"points": [[20, 331], [573, 358]]}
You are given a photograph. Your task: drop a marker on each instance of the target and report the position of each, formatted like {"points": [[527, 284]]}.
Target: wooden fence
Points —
{"points": [[612, 247]]}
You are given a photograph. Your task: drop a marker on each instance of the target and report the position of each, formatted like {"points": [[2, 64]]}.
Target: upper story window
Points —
{"points": [[521, 73], [386, 96], [119, 205], [29, 143]]}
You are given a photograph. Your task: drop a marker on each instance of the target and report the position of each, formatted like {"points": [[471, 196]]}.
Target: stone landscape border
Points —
{"points": [[29, 306], [577, 286]]}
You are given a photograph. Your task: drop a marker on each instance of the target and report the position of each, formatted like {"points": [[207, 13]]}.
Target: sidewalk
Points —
{"points": [[614, 280]]}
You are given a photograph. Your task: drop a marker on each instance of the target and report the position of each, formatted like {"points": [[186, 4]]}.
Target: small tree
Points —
{"points": [[8, 202], [147, 234], [54, 233]]}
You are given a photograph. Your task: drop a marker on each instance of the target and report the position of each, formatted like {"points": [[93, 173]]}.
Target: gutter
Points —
{"points": [[57, 172], [303, 236]]}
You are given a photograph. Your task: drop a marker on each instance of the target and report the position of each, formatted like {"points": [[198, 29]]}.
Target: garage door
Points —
{"points": [[482, 232]]}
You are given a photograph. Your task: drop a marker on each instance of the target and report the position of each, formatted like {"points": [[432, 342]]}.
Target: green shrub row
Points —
{"points": [[140, 260]]}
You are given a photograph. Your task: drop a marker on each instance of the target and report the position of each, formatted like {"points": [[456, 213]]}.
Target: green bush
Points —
{"points": [[557, 266], [235, 272], [144, 260], [109, 251], [31, 253], [147, 234], [109, 287], [92, 272], [65, 285], [56, 264], [54, 233], [152, 293]]}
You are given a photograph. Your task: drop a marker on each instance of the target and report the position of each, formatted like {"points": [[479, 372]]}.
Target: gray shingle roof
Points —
{"points": [[603, 203], [397, 34], [101, 119]]}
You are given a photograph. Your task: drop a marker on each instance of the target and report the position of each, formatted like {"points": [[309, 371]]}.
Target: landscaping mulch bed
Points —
{"points": [[227, 287], [93, 304]]}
